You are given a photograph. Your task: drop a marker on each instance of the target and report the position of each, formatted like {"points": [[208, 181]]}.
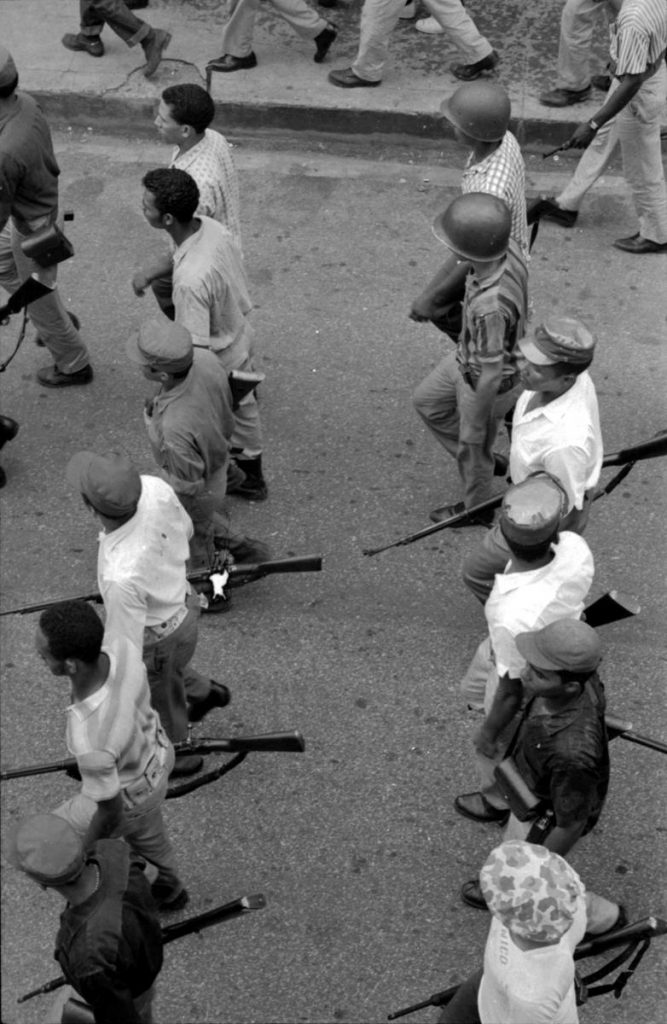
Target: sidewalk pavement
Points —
{"points": [[287, 89]]}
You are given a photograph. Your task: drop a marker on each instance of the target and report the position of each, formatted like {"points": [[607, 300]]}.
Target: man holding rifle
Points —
{"points": [[556, 430], [190, 424], [559, 755], [109, 944], [141, 574], [122, 752]]}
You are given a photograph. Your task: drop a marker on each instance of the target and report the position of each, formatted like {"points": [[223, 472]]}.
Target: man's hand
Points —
{"points": [[485, 742], [582, 137], [140, 283]]}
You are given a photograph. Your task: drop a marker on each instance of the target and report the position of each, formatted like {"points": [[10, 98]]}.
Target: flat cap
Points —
{"points": [[8, 70], [559, 339], [163, 345], [531, 510], [109, 481], [47, 848], [568, 645]]}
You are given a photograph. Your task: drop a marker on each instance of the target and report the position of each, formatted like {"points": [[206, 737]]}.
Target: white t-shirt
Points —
{"points": [[533, 986]]}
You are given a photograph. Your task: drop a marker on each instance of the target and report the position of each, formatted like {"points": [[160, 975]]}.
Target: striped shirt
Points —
{"points": [[211, 165], [494, 315], [502, 174], [113, 733], [638, 37]]}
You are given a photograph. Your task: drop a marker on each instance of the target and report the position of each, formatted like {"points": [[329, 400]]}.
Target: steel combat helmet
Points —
{"points": [[475, 226], [481, 110]]}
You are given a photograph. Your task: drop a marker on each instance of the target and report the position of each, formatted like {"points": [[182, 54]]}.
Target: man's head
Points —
{"points": [[530, 515], [47, 849], [163, 349], [476, 227], [185, 111], [553, 355], [9, 76], [69, 635], [479, 112], [170, 196], [108, 483], [533, 892], [559, 658]]}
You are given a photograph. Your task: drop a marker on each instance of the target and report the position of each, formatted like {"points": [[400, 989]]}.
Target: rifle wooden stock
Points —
{"points": [[647, 928], [171, 932], [238, 576], [652, 449], [284, 742], [617, 727], [28, 292]]}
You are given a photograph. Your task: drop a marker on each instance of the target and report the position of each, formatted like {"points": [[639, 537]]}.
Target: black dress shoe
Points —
{"points": [[228, 62], [218, 697], [345, 78], [51, 377], [469, 72], [9, 428], [564, 97], [77, 41], [323, 42], [546, 208], [476, 807], [438, 515], [471, 893], [639, 245]]}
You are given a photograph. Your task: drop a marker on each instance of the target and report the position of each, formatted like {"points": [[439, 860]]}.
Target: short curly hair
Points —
{"points": [[190, 104], [174, 192], [73, 629]]}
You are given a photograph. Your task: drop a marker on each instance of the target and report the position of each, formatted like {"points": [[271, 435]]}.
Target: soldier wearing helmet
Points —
{"points": [[480, 115], [547, 577], [556, 429], [463, 400]]}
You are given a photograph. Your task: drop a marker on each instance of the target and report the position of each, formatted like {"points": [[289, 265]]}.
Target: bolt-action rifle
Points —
{"points": [[241, 746], [171, 932], [226, 574], [625, 457], [635, 937]]}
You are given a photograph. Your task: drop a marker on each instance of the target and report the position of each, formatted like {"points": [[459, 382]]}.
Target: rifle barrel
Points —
{"points": [[437, 999], [646, 928]]}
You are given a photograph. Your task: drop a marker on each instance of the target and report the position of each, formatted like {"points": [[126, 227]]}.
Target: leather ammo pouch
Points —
{"points": [[522, 802], [47, 245]]}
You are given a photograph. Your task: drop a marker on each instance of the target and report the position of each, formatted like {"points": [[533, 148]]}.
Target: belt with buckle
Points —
{"points": [[164, 629]]}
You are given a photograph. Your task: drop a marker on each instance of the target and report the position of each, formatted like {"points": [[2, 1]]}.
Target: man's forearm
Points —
{"points": [[506, 703], [561, 840], [106, 820], [159, 267], [629, 86]]}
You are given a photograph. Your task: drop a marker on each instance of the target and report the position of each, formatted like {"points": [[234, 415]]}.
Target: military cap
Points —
{"points": [[109, 481], [566, 645], [559, 339], [47, 848], [533, 892], [162, 345], [531, 510], [8, 70]]}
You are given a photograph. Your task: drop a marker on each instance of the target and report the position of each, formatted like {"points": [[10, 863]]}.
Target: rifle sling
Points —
{"points": [[203, 780], [638, 948]]}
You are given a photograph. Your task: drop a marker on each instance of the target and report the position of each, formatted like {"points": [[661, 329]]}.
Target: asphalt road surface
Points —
{"points": [[355, 843]]}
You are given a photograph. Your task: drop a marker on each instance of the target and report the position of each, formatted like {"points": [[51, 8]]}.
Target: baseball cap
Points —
{"points": [[8, 70], [559, 339], [46, 847], [568, 645], [531, 511], [109, 481], [533, 892], [163, 345]]}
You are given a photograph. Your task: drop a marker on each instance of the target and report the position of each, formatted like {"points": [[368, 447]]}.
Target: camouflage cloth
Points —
{"points": [[533, 892]]}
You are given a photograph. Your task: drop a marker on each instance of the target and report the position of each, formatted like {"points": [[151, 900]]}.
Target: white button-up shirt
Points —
{"points": [[141, 565], [562, 437], [523, 602]]}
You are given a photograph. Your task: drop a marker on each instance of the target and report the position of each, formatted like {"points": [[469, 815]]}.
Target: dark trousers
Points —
{"points": [[462, 1009], [95, 14]]}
